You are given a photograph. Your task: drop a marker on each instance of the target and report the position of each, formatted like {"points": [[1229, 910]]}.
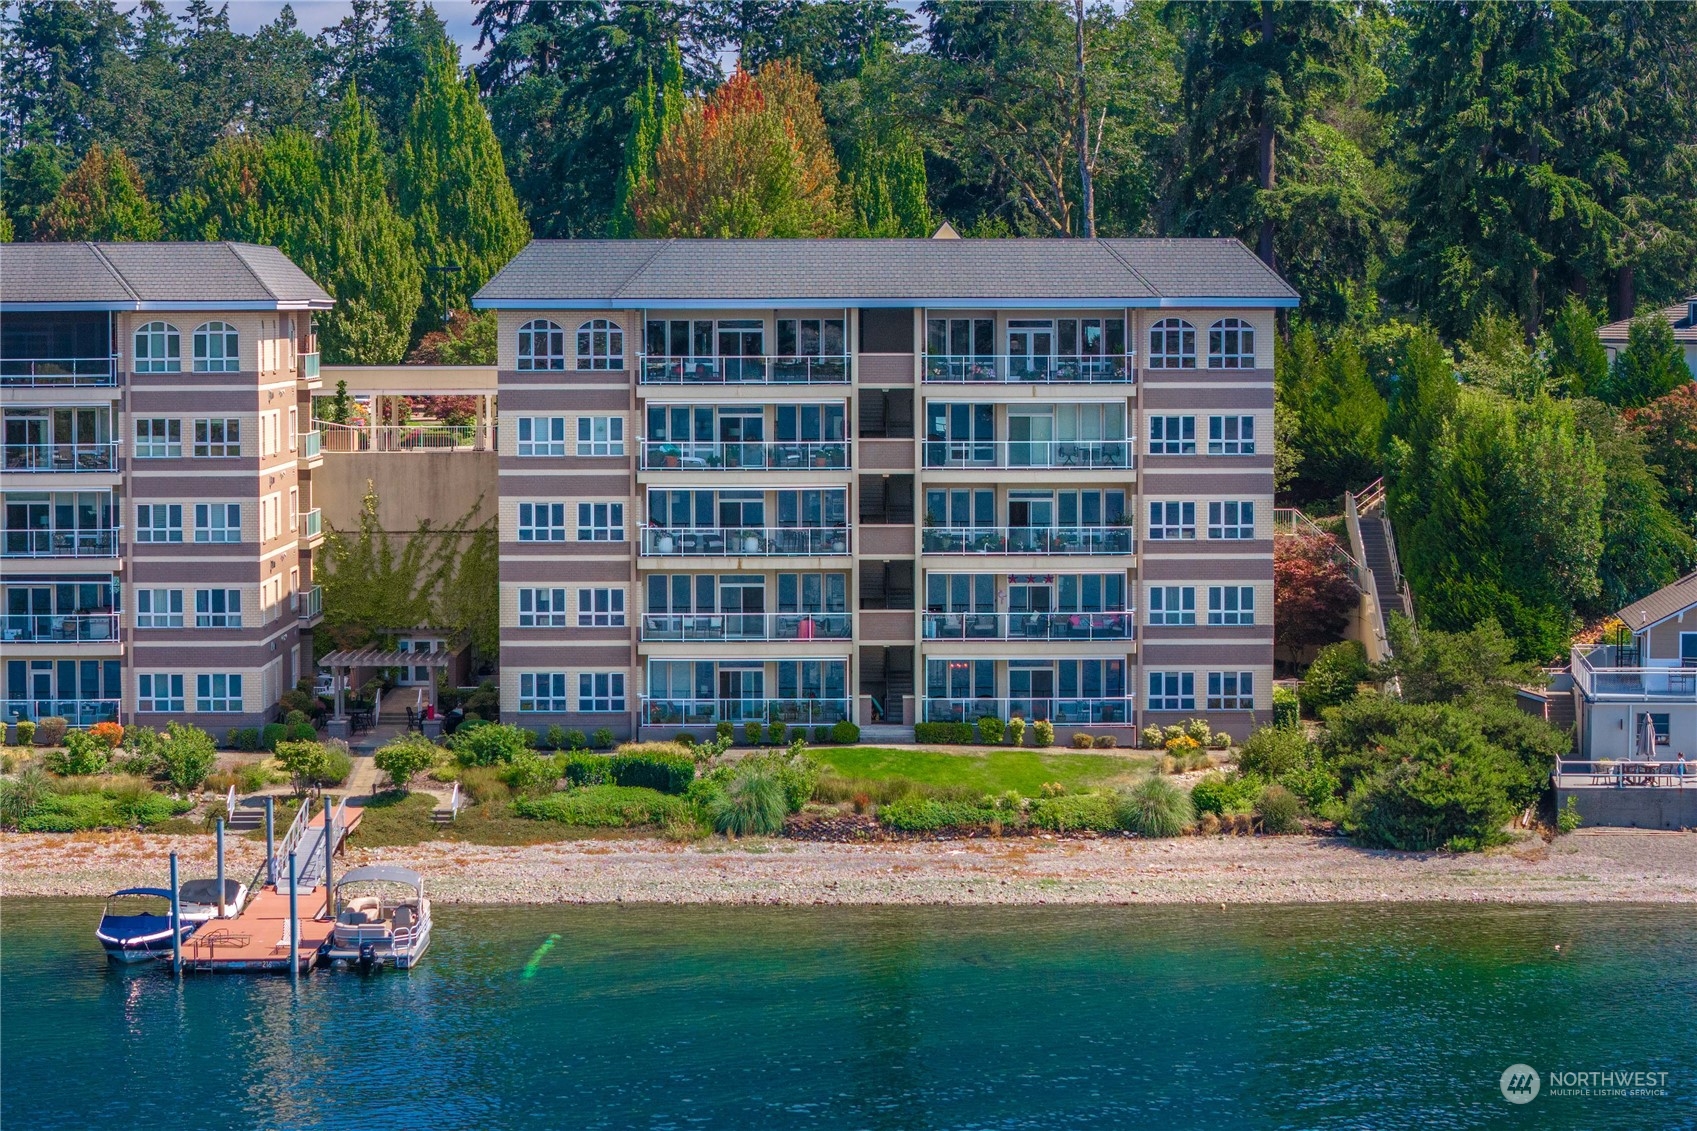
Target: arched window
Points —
{"points": [[1172, 344], [1231, 344], [542, 345], [600, 345], [159, 349], [215, 348]]}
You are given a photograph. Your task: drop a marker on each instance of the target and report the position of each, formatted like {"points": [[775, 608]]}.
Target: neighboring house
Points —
{"points": [[885, 481], [1683, 316], [159, 521], [1615, 685]]}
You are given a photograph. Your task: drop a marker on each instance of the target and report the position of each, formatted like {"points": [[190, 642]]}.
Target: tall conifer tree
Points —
{"points": [[102, 200]]}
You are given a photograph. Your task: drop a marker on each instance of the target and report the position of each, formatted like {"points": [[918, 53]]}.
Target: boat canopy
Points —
{"points": [[162, 893], [382, 872], [206, 891]]}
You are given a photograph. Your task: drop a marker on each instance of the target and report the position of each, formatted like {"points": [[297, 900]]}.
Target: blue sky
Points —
{"points": [[314, 15]]}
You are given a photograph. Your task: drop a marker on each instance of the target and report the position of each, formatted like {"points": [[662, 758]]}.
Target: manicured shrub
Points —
{"points": [[489, 744], [1197, 730], [338, 764], [1220, 740], [990, 730], [580, 768], [241, 738], [926, 814], [684, 738], [1016, 732], [187, 754], [51, 731], [1106, 742], [753, 804], [577, 740], [305, 762], [602, 738], [82, 754], [302, 732], [554, 738], [943, 734], [1287, 707], [668, 773], [751, 732], [1043, 733], [406, 758], [1075, 811], [775, 730], [1279, 810], [723, 729], [845, 733], [1082, 741], [26, 733], [1334, 676], [604, 807], [110, 734], [821, 735], [294, 718], [1272, 751], [1154, 807], [271, 734], [1222, 793]]}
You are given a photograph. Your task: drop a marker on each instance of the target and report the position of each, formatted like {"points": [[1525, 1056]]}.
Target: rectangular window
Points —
{"points": [[600, 435], [960, 337], [542, 608], [1231, 604], [1231, 435], [1172, 520], [1172, 691], [217, 522], [159, 692], [543, 691], [1172, 604], [217, 608], [218, 438], [159, 438], [542, 522], [601, 692], [600, 522], [1231, 520], [1172, 435], [542, 435], [218, 693], [1231, 691], [294, 508], [159, 522], [600, 608], [159, 608]]}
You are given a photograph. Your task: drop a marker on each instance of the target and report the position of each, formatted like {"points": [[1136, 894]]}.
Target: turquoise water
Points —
{"points": [[658, 1018]]}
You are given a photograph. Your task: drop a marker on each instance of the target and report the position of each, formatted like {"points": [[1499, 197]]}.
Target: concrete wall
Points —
{"points": [[439, 485], [1634, 808]]}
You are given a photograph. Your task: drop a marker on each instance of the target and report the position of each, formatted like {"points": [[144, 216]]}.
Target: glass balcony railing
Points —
{"points": [[1030, 626], [750, 369], [61, 457], [73, 372], [309, 366], [744, 541], [57, 628], [1042, 369], [695, 712], [716, 628], [1029, 453], [312, 523], [1027, 540], [312, 603], [662, 455], [1076, 712], [311, 444], [62, 543], [77, 712]]}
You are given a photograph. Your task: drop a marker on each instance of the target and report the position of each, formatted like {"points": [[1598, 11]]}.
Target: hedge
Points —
{"points": [[957, 734], [1075, 811], [668, 773], [605, 807], [919, 815]]}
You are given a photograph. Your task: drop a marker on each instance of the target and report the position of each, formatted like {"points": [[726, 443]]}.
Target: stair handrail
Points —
{"points": [[1366, 580], [1300, 523], [292, 838], [230, 803], [454, 802]]}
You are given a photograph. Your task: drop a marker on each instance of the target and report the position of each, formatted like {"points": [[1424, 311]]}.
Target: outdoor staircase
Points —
{"points": [[1372, 544], [248, 816]]}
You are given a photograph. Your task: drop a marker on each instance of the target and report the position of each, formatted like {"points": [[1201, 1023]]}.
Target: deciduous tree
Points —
{"points": [[1313, 594]]}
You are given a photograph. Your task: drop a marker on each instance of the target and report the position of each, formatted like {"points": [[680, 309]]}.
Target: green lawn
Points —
{"points": [[995, 772]]}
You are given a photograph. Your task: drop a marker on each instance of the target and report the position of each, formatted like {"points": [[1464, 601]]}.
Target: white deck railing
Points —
{"points": [[1627, 773]]}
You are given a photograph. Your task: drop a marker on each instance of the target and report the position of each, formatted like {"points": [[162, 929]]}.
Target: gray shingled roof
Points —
{"points": [[1140, 272], [1661, 604], [1684, 328], [144, 276]]}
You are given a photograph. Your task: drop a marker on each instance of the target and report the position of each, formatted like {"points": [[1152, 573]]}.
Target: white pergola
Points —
{"points": [[384, 386]]}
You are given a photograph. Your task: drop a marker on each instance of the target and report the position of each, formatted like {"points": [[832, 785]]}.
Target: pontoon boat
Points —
{"points": [[382, 918]]}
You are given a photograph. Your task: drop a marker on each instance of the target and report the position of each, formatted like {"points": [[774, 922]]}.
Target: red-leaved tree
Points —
{"points": [[1313, 594]]}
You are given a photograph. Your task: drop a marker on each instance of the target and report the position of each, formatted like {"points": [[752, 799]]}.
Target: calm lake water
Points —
{"points": [[656, 1018]]}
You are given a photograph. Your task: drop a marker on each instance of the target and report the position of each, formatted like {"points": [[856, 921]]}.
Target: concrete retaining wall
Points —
{"points": [[1645, 808], [439, 485]]}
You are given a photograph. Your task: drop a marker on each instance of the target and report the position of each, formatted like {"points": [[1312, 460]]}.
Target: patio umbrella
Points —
{"points": [[1646, 749]]}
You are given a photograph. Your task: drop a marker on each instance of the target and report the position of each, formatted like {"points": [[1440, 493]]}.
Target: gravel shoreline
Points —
{"points": [[1590, 866]]}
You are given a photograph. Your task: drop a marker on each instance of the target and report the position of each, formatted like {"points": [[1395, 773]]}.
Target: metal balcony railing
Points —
{"points": [[1029, 453], [56, 628], [311, 444], [750, 369], [1054, 709], [666, 455], [1049, 369], [721, 627], [1030, 626], [696, 712], [77, 712], [744, 541], [312, 603], [70, 372], [62, 457], [1027, 540], [312, 523], [62, 543]]}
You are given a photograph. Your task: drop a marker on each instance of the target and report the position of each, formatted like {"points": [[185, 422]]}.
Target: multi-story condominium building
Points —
{"points": [[885, 481], [159, 525]]}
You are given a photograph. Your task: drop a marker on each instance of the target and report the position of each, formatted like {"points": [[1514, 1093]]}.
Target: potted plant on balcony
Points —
{"points": [[664, 543]]}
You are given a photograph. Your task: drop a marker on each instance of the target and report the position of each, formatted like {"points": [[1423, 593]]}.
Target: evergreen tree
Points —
{"points": [[1339, 414], [1579, 365], [1650, 366], [102, 200], [1645, 545], [656, 115], [29, 181], [888, 188], [259, 190], [454, 189]]}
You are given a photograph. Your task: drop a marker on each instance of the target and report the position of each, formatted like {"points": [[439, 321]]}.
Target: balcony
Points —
{"points": [[25, 458], [1597, 672], [1073, 454], [312, 605], [55, 628], [311, 444], [1005, 369], [744, 541], [62, 543], [717, 628], [1027, 540], [78, 712], [312, 524], [1061, 712], [1030, 626], [710, 712], [309, 366], [665, 455], [742, 370], [59, 372]]}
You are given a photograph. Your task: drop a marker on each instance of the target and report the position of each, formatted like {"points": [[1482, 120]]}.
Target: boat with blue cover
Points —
{"points": [[136, 925]]}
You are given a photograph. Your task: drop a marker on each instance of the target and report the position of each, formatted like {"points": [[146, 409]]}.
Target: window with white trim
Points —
{"points": [[543, 691], [542, 608], [218, 439], [159, 608], [217, 692], [1172, 344], [294, 426], [159, 522], [600, 345], [1172, 691], [159, 349], [215, 348], [542, 522], [1231, 520], [600, 692], [601, 608], [1172, 604], [217, 522], [217, 608], [1231, 435], [1231, 344], [542, 345], [542, 436], [294, 508], [1231, 604], [1172, 520], [159, 692], [1231, 691], [600, 435], [159, 437], [270, 518], [1172, 435], [600, 522]]}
